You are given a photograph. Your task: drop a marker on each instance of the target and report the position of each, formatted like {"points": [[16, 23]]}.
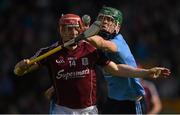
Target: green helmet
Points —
{"points": [[115, 13]]}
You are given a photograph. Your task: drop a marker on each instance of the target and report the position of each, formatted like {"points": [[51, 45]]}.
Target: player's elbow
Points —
{"points": [[110, 50]]}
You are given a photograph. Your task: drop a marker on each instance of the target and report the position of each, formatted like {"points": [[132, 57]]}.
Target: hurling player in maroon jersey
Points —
{"points": [[73, 69]]}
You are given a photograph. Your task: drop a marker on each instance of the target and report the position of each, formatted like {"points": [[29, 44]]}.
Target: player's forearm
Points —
{"points": [[100, 43], [128, 71], [156, 104], [155, 110]]}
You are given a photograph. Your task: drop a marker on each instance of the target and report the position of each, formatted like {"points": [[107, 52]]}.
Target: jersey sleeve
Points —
{"points": [[123, 48], [124, 51]]}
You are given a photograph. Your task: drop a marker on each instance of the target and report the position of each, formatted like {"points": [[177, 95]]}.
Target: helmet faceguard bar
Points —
{"points": [[104, 15]]}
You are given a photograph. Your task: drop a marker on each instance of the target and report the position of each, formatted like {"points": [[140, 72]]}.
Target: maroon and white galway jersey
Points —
{"points": [[73, 74]]}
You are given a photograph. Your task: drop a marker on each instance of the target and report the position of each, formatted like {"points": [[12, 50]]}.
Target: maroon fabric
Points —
{"points": [[148, 97], [73, 74]]}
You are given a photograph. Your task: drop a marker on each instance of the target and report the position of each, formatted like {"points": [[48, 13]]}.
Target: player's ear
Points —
{"points": [[117, 28]]}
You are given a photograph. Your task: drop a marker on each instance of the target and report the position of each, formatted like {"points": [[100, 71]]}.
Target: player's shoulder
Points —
{"points": [[119, 40], [118, 37]]}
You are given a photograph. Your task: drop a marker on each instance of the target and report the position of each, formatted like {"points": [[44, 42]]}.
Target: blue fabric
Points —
{"points": [[51, 106], [121, 88], [138, 108]]}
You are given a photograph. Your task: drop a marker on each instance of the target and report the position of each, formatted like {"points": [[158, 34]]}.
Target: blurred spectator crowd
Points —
{"points": [[151, 28]]}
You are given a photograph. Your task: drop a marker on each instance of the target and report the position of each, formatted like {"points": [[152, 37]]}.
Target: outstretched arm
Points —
{"points": [[128, 71]]}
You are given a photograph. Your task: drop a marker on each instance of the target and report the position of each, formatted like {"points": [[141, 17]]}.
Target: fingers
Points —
{"points": [[26, 61], [24, 64], [21, 67], [161, 71], [165, 72]]}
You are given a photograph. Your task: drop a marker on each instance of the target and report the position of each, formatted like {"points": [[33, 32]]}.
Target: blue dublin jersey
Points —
{"points": [[123, 88]]}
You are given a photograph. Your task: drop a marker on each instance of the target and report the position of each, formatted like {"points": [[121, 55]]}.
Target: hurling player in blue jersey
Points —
{"points": [[124, 94]]}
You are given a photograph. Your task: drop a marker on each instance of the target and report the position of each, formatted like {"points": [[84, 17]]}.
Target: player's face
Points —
{"points": [[68, 32], [108, 23]]}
